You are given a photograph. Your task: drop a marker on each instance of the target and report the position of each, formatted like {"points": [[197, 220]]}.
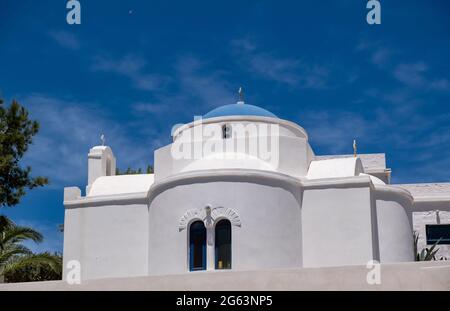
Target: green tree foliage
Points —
{"points": [[131, 171], [16, 259], [36, 271], [17, 262], [16, 133]]}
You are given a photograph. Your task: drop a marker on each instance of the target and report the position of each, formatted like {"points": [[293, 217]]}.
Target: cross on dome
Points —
{"points": [[241, 96], [103, 139]]}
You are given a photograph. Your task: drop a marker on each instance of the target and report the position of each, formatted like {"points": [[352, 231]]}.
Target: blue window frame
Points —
{"points": [[197, 246], [223, 244]]}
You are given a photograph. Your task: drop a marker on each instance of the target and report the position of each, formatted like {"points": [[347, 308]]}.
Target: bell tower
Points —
{"points": [[101, 162]]}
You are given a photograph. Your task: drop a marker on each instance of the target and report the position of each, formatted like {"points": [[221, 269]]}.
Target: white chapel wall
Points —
{"points": [[337, 226], [394, 218], [269, 235], [108, 241]]}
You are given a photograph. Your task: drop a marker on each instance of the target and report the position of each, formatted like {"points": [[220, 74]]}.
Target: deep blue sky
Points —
{"points": [[133, 69]]}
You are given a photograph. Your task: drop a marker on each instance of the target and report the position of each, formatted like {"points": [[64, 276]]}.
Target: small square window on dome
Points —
{"points": [[226, 131]]}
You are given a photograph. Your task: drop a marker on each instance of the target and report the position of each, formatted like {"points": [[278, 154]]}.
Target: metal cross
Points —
{"points": [[241, 94], [102, 138]]}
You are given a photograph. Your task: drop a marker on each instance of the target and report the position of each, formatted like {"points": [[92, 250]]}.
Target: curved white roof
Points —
{"points": [[122, 184], [375, 180], [334, 168]]}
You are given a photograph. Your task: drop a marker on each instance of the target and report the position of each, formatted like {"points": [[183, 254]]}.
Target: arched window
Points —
{"points": [[226, 131], [197, 246], [223, 244]]}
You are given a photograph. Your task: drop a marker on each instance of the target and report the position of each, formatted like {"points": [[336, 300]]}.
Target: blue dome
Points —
{"points": [[239, 110]]}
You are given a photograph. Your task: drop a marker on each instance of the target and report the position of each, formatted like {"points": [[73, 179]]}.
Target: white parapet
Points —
{"points": [[71, 193]]}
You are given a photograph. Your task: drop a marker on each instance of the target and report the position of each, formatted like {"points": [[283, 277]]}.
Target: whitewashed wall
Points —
{"points": [[108, 241], [269, 235], [337, 227], [394, 219]]}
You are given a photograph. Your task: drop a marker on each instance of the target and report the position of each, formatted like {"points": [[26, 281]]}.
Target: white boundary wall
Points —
{"points": [[401, 276]]}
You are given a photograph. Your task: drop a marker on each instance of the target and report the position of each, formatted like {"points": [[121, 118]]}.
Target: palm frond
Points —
{"points": [[54, 262], [12, 251], [17, 258], [19, 234]]}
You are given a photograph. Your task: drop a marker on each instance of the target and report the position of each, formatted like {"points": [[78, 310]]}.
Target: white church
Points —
{"points": [[241, 189]]}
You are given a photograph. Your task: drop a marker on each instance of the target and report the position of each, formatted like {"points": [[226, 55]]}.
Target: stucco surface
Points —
{"points": [[108, 241], [427, 189], [394, 230], [269, 234], [337, 231]]}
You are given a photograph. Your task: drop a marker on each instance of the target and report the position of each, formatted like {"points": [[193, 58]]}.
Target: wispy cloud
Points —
{"points": [[411, 74], [290, 71], [378, 54], [440, 85], [398, 113], [132, 67], [150, 108], [272, 68], [396, 123], [69, 128], [334, 131], [207, 87], [66, 39], [381, 56], [364, 44], [415, 75]]}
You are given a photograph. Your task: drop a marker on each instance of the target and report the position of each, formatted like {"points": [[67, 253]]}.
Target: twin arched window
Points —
{"points": [[222, 245]]}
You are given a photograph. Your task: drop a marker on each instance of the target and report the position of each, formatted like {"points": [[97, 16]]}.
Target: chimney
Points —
{"points": [[101, 162]]}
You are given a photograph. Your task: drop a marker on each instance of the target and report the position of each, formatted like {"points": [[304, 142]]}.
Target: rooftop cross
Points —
{"points": [[102, 138], [241, 96]]}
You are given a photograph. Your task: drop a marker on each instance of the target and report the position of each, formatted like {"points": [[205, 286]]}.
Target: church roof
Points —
{"points": [[370, 161], [239, 109], [121, 184], [335, 168], [427, 190]]}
